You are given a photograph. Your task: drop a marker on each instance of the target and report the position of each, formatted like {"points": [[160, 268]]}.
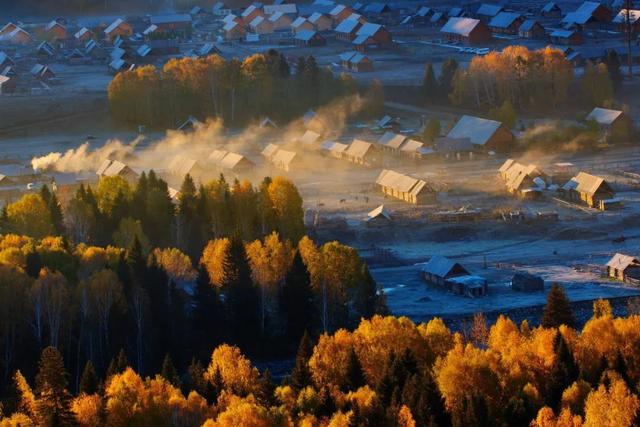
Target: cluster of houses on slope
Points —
{"points": [[312, 26], [477, 23], [529, 181]]}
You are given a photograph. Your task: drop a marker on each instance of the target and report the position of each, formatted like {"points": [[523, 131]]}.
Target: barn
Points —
{"points": [[466, 30], [487, 135], [309, 38], [506, 23], [531, 29]]}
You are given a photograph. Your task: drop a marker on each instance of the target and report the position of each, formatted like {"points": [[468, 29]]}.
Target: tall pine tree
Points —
{"points": [[53, 398], [557, 311]]}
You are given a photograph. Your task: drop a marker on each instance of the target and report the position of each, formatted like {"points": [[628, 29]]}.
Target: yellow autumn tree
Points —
{"points": [[87, 410], [236, 371], [615, 406], [30, 216], [214, 258]]}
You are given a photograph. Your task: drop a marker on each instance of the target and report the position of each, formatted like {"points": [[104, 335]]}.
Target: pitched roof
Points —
{"points": [[563, 34], [315, 17], [345, 56], [270, 150], [181, 165], [231, 160], [477, 129], [453, 145], [380, 211], [424, 11], [305, 35], [285, 8], [115, 24], [504, 19], [585, 183], [170, 19], [358, 148], [583, 14], [309, 137], [53, 24], [506, 165], [337, 9], [81, 32], [284, 157], [621, 17], [248, 11], [411, 146], [5, 58], [368, 29], [487, 9], [397, 181], [335, 147], [528, 25], [347, 26], [461, 26], [298, 22], [550, 7], [392, 140], [604, 116], [621, 262], [441, 266], [217, 155]]}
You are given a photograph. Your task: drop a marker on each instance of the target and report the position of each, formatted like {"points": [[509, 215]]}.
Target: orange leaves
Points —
{"points": [[270, 261], [615, 406], [214, 258], [238, 375], [176, 264]]}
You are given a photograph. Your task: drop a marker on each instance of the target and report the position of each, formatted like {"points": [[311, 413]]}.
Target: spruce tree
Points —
{"points": [[366, 301], [206, 316], [563, 373], [197, 382], [53, 399], [557, 311], [55, 212], [118, 364], [301, 374], [169, 372], [242, 298], [355, 375], [89, 379], [296, 300], [429, 84], [33, 264]]}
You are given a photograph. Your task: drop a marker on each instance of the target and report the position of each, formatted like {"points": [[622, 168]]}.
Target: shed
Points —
{"points": [[587, 13], [83, 34], [236, 163], [526, 282], [310, 140], [339, 13], [589, 189], [379, 217], [625, 268], [261, 25], [372, 35], [454, 148], [269, 151], [405, 187], [487, 135], [334, 149], [56, 31], [181, 166], [466, 30], [190, 124], [250, 13]]}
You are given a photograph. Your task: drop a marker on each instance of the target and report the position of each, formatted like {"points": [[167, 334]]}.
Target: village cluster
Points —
{"points": [[354, 34]]}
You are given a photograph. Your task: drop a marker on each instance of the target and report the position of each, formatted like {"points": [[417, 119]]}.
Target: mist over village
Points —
{"points": [[319, 213]]}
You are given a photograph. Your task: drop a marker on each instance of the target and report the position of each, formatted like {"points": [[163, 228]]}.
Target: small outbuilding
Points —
{"points": [[379, 217], [625, 268], [526, 282]]}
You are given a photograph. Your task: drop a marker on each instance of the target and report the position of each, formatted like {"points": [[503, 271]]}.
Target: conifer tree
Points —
{"points": [[429, 84], [296, 300], [301, 374], [563, 373], [118, 364], [53, 398], [355, 375], [169, 372], [557, 311], [89, 379]]}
